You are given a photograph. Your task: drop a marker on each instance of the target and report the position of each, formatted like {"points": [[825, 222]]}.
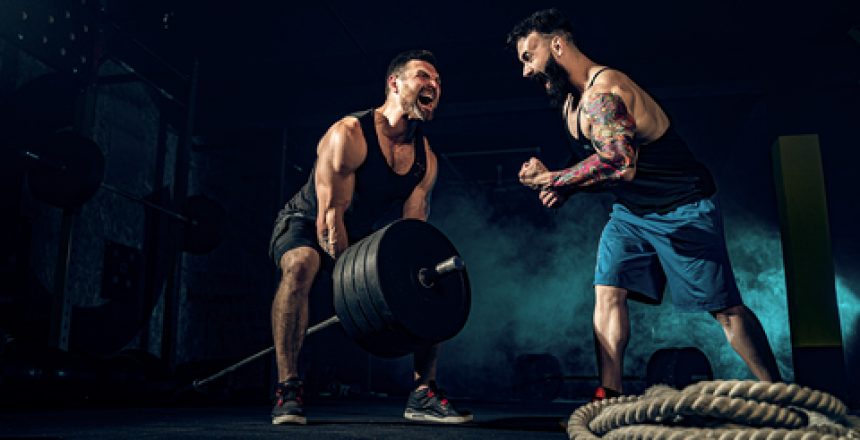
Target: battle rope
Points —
{"points": [[717, 409]]}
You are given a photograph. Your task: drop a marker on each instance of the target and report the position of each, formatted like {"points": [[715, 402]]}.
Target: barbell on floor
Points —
{"points": [[398, 289]]}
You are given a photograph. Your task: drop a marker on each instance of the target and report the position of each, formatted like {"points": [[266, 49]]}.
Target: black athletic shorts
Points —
{"points": [[291, 232]]}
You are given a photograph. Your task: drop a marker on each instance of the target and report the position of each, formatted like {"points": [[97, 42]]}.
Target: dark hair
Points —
{"points": [[546, 21], [396, 65]]}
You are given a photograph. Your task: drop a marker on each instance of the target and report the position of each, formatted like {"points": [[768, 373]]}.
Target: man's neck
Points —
{"points": [[391, 122], [579, 66]]}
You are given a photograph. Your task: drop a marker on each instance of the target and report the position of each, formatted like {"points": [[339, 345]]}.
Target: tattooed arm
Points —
{"points": [[339, 153], [612, 132]]}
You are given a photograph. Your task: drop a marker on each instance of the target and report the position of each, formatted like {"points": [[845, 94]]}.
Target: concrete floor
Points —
{"points": [[340, 418], [377, 418]]}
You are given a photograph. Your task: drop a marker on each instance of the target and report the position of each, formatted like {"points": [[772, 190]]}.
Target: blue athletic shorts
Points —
{"points": [[684, 247]]}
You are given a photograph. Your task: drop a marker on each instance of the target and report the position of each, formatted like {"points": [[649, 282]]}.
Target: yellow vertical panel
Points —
{"points": [[806, 249]]}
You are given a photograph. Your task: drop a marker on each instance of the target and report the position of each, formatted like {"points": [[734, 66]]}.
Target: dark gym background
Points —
{"points": [[228, 100]]}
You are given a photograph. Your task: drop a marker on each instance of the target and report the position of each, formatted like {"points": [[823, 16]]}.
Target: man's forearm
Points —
{"points": [[331, 233], [590, 171]]}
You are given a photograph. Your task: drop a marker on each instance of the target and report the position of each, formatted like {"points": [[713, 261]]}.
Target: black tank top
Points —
{"points": [[378, 189], [667, 173]]}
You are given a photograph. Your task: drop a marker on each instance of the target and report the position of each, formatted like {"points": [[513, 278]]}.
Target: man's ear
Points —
{"points": [[392, 82], [556, 46]]}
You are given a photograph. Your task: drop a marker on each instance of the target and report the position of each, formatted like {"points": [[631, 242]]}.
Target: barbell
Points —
{"points": [[66, 169], [401, 288]]}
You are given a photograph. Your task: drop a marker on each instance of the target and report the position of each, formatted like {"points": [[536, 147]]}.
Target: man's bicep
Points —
{"points": [[418, 203], [338, 158], [416, 206], [339, 150], [610, 118], [612, 130]]}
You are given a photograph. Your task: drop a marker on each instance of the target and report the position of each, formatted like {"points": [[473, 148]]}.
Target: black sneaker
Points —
{"points": [[430, 405], [289, 407]]}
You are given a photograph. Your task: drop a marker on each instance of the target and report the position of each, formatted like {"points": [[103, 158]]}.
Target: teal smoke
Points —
{"points": [[532, 293]]}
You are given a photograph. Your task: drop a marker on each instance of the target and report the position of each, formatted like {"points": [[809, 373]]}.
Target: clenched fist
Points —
{"points": [[535, 175]]}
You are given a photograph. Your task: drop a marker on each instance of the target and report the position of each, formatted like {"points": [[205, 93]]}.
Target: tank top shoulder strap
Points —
{"points": [[368, 128], [420, 147], [593, 78], [360, 113]]}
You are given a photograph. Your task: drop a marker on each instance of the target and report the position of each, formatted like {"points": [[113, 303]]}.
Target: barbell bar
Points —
{"points": [[150, 204], [382, 282], [197, 384]]}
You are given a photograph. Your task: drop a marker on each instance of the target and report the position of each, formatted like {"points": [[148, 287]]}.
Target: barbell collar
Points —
{"points": [[428, 277]]}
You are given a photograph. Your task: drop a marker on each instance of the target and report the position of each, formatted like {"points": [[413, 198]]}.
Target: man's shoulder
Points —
{"points": [[345, 140], [609, 75], [348, 126], [611, 81]]}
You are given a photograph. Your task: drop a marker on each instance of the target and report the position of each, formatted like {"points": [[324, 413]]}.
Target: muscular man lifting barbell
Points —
{"points": [[367, 162]]}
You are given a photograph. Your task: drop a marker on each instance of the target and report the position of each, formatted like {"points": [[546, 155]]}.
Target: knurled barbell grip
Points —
{"points": [[427, 277], [313, 329]]}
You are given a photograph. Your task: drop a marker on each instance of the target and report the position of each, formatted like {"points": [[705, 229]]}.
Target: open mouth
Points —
{"points": [[426, 97]]}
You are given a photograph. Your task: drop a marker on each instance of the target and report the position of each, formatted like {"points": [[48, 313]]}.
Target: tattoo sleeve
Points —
{"points": [[612, 131]]}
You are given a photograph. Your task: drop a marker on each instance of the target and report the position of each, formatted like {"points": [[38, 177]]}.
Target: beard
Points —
{"points": [[559, 82], [409, 102]]}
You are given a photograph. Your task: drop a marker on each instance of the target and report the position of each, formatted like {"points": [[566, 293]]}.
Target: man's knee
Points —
{"points": [[609, 296], [729, 312], [299, 266]]}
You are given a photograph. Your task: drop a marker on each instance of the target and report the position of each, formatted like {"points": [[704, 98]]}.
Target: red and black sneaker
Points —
{"points": [[430, 405], [289, 407], [601, 393]]}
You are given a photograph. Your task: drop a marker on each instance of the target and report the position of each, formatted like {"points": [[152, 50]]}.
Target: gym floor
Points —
{"points": [[365, 418], [328, 418]]}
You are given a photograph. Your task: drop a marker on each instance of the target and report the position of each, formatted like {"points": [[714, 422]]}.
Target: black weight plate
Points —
{"points": [[66, 169], [377, 336], [353, 289], [430, 314], [341, 285]]}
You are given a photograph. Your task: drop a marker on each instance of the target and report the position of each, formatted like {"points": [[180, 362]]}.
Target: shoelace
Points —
{"points": [[442, 399], [284, 393]]}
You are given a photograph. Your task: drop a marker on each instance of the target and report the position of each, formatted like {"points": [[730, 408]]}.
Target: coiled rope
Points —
{"points": [[718, 409]]}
